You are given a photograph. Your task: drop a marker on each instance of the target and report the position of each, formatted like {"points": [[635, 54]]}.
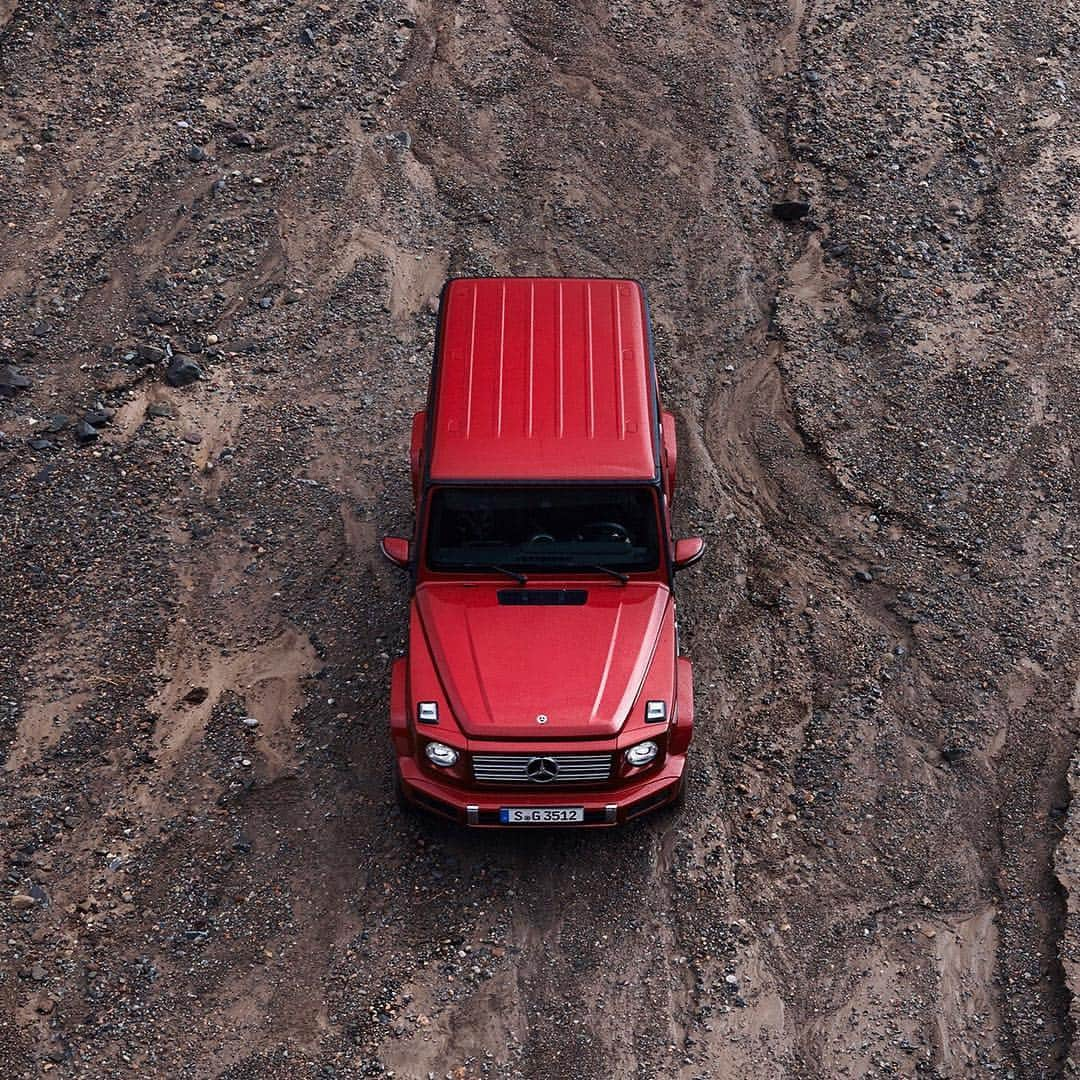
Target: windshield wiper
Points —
{"points": [[617, 574], [521, 579]]}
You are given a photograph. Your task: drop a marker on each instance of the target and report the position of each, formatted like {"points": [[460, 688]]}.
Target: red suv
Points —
{"points": [[543, 683]]}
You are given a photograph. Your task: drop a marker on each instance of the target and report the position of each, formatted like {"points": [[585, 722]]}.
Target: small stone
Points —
{"points": [[22, 902], [217, 187], [192, 437], [863, 576], [790, 210], [293, 296], [42, 444], [307, 36], [12, 380], [38, 973], [182, 370], [212, 339], [57, 422], [159, 409], [196, 153], [266, 302], [249, 721], [402, 138], [99, 417], [85, 433], [150, 354], [244, 140], [953, 754]]}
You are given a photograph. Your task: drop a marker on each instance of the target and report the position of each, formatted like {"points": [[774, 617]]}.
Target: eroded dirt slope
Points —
{"points": [[205, 872]]}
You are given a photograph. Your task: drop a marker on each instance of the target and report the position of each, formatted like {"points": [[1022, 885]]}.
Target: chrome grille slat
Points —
{"points": [[512, 768]]}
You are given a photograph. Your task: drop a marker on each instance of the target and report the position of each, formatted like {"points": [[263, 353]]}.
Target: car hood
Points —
{"points": [[504, 665]]}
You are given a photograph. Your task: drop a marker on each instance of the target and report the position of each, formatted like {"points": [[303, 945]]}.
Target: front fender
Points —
{"points": [[682, 731], [399, 713]]}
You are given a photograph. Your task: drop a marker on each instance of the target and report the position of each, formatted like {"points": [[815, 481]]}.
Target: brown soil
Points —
{"points": [[878, 407]]}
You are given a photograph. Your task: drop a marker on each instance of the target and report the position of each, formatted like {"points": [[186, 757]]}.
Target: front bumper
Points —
{"points": [[479, 807]]}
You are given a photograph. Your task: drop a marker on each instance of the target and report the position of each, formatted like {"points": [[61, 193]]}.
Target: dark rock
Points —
{"points": [[307, 36], [12, 380], [790, 210], [150, 354], [218, 186], [266, 302], [42, 328], [42, 444], [57, 422], [953, 754], [863, 576], [293, 296], [38, 973], [161, 409], [196, 153], [182, 370], [193, 437], [402, 138], [99, 417], [244, 140], [85, 433], [158, 318]]}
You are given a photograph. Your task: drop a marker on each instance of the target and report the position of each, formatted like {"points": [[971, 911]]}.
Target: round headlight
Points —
{"points": [[643, 753], [440, 754]]}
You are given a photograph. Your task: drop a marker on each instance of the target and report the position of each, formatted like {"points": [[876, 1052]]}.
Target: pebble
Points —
{"points": [[790, 210], [182, 371], [85, 433], [12, 380]]}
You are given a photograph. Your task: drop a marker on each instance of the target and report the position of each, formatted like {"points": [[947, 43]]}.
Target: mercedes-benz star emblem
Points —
{"points": [[542, 718], [542, 769]]}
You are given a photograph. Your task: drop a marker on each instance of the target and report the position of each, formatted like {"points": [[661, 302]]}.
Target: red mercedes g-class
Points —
{"points": [[543, 684]]}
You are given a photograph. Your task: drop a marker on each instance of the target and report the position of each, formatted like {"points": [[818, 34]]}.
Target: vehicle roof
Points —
{"points": [[543, 379]]}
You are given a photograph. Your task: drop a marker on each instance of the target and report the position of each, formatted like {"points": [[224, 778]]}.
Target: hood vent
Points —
{"points": [[542, 597]]}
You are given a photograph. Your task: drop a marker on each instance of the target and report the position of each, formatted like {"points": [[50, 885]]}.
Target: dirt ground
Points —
{"points": [[878, 405]]}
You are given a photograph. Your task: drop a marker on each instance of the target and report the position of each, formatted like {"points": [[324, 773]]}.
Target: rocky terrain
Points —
{"points": [[223, 228]]}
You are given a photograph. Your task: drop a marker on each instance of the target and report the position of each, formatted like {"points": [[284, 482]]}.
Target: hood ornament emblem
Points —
{"points": [[541, 770], [542, 718]]}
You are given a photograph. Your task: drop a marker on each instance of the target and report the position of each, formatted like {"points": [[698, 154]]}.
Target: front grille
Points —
{"points": [[542, 769]]}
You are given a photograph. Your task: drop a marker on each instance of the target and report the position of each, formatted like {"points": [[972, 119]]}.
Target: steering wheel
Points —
{"points": [[613, 529], [541, 538]]}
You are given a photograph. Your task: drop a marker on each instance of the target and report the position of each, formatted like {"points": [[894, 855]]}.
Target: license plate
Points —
{"points": [[541, 815]]}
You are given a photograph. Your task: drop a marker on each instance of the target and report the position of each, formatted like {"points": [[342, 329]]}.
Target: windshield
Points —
{"points": [[543, 528]]}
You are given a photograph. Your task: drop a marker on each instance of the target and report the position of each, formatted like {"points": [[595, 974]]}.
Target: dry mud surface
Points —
{"points": [[878, 407]]}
